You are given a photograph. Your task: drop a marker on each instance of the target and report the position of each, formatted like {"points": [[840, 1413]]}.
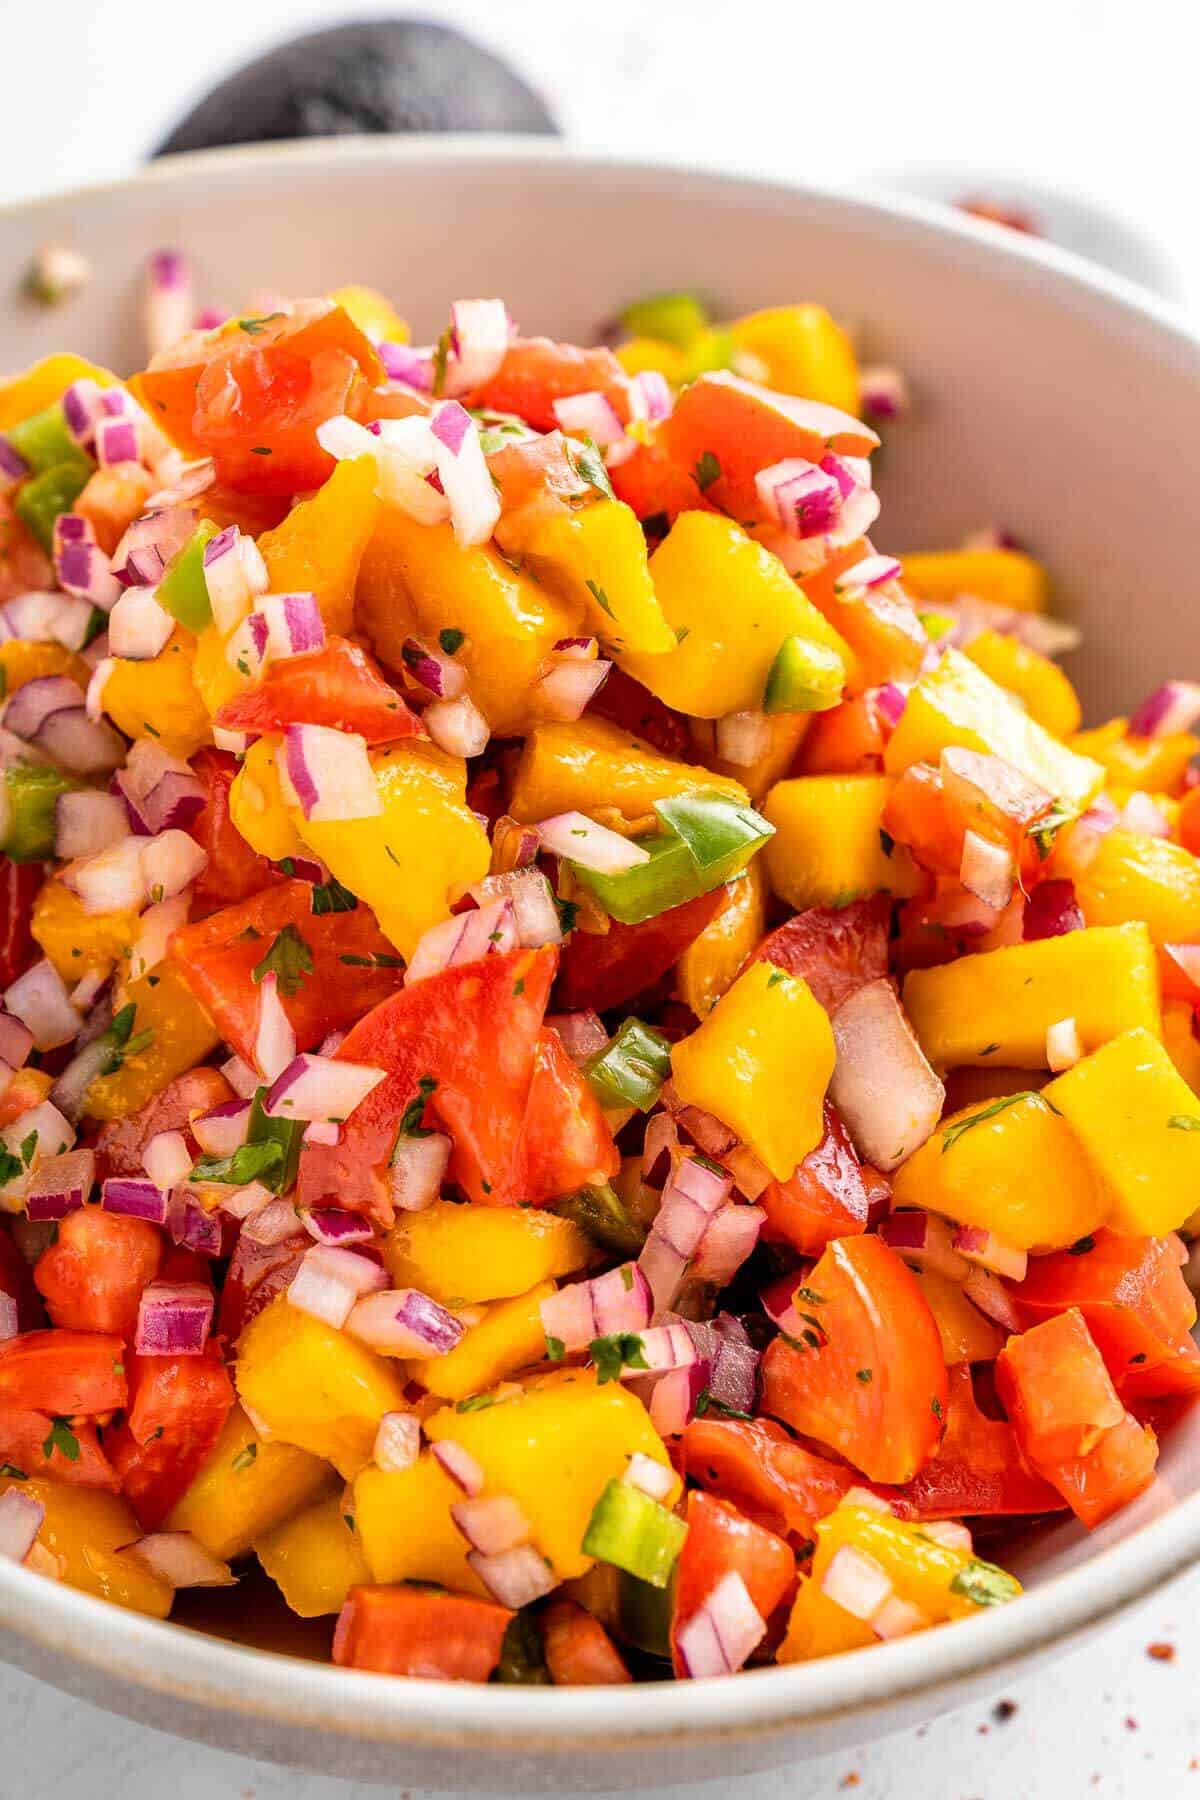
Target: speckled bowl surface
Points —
{"points": [[1053, 399]]}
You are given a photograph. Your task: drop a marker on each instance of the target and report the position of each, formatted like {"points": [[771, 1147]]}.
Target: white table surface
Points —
{"points": [[1091, 96]]}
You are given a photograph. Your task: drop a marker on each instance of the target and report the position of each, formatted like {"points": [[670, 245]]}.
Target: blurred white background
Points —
{"points": [[1094, 99]]}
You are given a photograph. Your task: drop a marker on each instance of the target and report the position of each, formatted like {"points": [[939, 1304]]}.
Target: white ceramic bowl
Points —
{"points": [[1051, 398]]}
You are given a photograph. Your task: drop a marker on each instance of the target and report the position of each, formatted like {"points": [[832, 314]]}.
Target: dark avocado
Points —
{"points": [[385, 75]]}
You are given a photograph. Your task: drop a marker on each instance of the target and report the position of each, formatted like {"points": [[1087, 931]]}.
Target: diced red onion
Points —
{"points": [[87, 822], [13, 467], [330, 1225], [234, 573], [274, 1038], [1064, 1046], [750, 1176], [16, 1041], [83, 569], [988, 1251], [156, 928], [192, 1225], [457, 726], [59, 1184], [985, 1291], [590, 415], [418, 1168], [167, 1159], [516, 1577], [272, 1225], [1175, 706], [465, 938], [181, 1560], [224, 1129], [988, 870], [110, 881], [94, 700], [582, 1033], [36, 701], [872, 572], [659, 1149], [706, 1132], [671, 1398], [565, 690], [460, 1466], [284, 625], [535, 916], [328, 774], [491, 1525], [40, 1000], [883, 1087], [330, 1283], [9, 1321], [650, 395], [925, 1240], [722, 1632], [244, 1202], [693, 1193], [21, 1519], [320, 1087], [117, 441], [1051, 911], [161, 791], [731, 1236], [46, 618], [169, 303], [150, 542], [138, 627], [856, 1582], [479, 335], [1141, 813], [241, 1077], [743, 737], [614, 1302], [897, 1618], [884, 392], [465, 477], [174, 1319], [649, 1476], [404, 1322], [406, 363], [580, 840], [397, 1442], [440, 675]]}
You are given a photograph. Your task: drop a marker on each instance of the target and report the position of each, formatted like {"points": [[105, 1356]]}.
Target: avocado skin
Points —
{"points": [[382, 75]]}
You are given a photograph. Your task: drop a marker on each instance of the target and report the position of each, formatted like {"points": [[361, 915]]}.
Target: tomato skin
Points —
{"points": [[63, 1372], [121, 1145], [218, 960], [873, 1317], [24, 1435], [603, 972], [536, 372], [754, 1463], [565, 1143], [16, 1280], [20, 885], [339, 686], [826, 1198], [1119, 1469], [978, 1469], [579, 1652], [93, 1275], [837, 950], [234, 871], [625, 702], [1135, 1303], [178, 1406], [720, 1539], [418, 1632], [256, 1273], [473, 1030]]}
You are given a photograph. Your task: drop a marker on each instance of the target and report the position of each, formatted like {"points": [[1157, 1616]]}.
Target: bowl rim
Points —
{"points": [[214, 1673]]}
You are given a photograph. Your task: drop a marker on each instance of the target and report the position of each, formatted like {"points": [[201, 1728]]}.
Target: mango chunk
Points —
{"points": [[709, 965], [592, 765], [1137, 1121], [997, 1006], [404, 1526], [1039, 684], [594, 559], [77, 942], [159, 698], [318, 548], [510, 1336], [805, 352], [181, 1035], [87, 1530], [44, 382], [461, 1255], [314, 1558], [761, 1062], [248, 1485], [1148, 765], [1134, 876], [1002, 577], [827, 847], [257, 806]]}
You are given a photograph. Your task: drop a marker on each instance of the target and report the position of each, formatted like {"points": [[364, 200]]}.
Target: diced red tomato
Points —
{"points": [[565, 1143], [719, 1540], [603, 971], [754, 1463], [121, 1145], [625, 702], [1188, 828], [655, 486], [16, 1280], [1176, 983], [31, 1442], [20, 885], [978, 1469], [745, 428], [536, 476], [93, 1275], [916, 814], [256, 1273], [847, 740], [837, 950], [880, 625], [825, 1199], [339, 686], [874, 1389], [177, 1408], [63, 1372], [1140, 1311], [472, 1030], [536, 372], [579, 1652], [234, 871], [420, 1632], [219, 955], [1069, 1422], [24, 565]]}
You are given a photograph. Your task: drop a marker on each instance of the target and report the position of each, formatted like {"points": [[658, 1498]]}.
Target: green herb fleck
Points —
{"points": [[12, 1471], [590, 465], [1183, 1122], [331, 897], [866, 1376], [62, 1439], [706, 471], [289, 959], [555, 1348], [953, 1132], [983, 1584], [254, 326], [475, 1403], [441, 356], [377, 960], [248, 1163], [1082, 1246], [619, 1350], [29, 1148], [707, 1402], [244, 1457], [887, 842], [414, 1112], [600, 597], [451, 639]]}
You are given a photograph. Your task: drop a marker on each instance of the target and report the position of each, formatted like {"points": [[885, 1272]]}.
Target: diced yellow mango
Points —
{"points": [[182, 1035], [461, 1255], [998, 1006], [413, 861], [827, 847], [257, 806], [731, 604], [316, 1387], [594, 558], [1137, 1120], [709, 965], [1149, 765], [44, 383], [1181, 1042], [805, 351], [555, 1446], [818, 1626], [319, 546], [87, 1529], [404, 1526], [785, 734], [957, 704], [314, 1558], [1018, 1172], [416, 580], [372, 312], [923, 1572], [509, 1337], [80, 943], [593, 764], [1002, 577], [159, 698], [967, 1334], [1134, 876], [22, 660], [217, 680], [1038, 683], [761, 1063], [653, 353], [247, 1487]]}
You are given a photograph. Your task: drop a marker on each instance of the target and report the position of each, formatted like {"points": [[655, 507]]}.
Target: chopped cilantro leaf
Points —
{"points": [[451, 639], [62, 1439], [619, 1350], [706, 471], [289, 959]]}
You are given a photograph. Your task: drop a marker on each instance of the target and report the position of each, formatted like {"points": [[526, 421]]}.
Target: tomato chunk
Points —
{"points": [[826, 1198], [565, 1143], [20, 885], [177, 1407], [837, 950], [978, 1469], [604, 971], [24, 565], [754, 1463], [874, 1386], [92, 1276], [37, 1444], [256, 1273], [536, 372], [579, 1652], [339, 686], [418, 1632], [719, 1540], [234, 871], [121, 1145], [63, 1372], [16, 1280]]}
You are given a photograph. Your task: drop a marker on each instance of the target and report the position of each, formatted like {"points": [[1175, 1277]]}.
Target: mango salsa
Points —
{"points": [[463, 1255], [247, 1486], [829, 846], [593, 766], [314, 1558]]}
